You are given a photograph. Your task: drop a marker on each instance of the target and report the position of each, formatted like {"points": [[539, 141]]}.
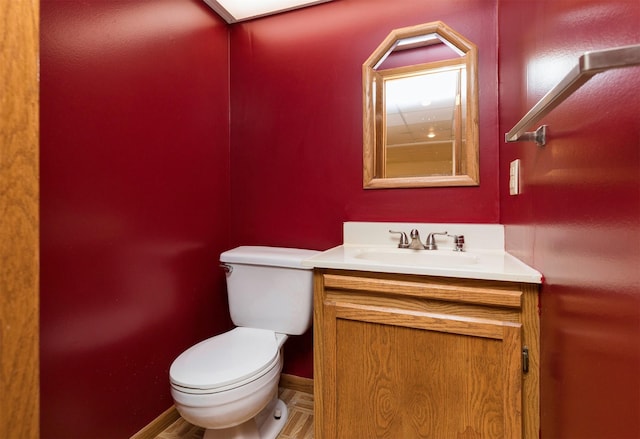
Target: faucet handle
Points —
{"points": [[404, 241], [431, 240]]}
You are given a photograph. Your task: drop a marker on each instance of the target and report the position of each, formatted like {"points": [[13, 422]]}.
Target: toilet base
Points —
{"points": [[264, 425]]}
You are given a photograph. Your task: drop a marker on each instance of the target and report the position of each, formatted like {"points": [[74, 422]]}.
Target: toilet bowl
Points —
{"points": [[229, 379], [228, 384]]}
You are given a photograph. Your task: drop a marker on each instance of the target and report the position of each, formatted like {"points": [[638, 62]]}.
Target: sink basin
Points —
{"points": [[418, 258]]}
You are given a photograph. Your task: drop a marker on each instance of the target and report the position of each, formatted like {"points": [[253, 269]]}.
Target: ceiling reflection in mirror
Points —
{"points": [[422, 130], [420, 125]]}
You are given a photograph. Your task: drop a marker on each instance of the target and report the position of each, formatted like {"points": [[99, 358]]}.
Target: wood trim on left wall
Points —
{"points": [[19, 219]]}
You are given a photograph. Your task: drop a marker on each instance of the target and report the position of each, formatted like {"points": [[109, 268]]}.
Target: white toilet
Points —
{"points": [[228, 384]]}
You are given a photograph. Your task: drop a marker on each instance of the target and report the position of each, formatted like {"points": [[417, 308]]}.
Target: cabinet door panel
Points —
{"points": [[420, 376]]}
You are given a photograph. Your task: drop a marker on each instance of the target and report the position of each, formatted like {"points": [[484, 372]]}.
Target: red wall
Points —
{"points": [[140, 190], [296, 127], [134, 197], [578, 219]]}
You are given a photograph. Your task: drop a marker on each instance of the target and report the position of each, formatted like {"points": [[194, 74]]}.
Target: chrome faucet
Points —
{"points": [[416, 244]]}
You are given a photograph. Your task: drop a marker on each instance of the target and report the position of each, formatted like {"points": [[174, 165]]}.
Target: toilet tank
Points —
{"points": [[268, 288]]}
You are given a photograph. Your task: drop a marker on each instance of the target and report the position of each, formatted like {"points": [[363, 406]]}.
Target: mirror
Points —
{"points": [[420, 105]]}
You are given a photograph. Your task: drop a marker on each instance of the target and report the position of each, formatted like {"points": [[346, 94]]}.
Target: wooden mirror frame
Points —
{"points": [[372, 137]]}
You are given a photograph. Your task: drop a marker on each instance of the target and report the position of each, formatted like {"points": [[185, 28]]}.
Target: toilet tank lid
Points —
{"points": [[271, 256]]}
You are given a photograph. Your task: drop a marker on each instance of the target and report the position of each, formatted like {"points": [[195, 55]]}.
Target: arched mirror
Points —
{"points": [[420, 103]]}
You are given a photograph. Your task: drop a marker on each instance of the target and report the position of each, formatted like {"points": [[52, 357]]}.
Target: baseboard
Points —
{"points": [[158, 425], [294, 382]]}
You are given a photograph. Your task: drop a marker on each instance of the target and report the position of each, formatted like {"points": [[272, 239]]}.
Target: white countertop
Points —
{"points": [[370, 247]]}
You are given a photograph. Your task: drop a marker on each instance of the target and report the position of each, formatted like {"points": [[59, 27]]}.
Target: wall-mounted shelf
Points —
{"points": [[589, 64]]}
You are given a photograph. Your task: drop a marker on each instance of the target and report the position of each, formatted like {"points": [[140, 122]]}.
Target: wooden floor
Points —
{"points": [[298, 426]]}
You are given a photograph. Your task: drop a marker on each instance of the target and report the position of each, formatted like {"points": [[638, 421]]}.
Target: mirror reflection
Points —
{"points": [[423, 129], [420, 107]]}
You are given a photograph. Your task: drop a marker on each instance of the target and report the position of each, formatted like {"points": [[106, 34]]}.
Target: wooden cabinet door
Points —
{"points": [[401, 374]]}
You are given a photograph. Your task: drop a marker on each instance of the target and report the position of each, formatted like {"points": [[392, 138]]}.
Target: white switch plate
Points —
{"points": [[514, 177]]}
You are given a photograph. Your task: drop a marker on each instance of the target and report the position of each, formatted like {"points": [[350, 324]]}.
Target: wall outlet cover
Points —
{"points": [[514, 177]]}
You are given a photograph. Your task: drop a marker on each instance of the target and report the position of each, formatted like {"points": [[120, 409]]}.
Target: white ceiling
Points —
{"points": [[233, 11]]}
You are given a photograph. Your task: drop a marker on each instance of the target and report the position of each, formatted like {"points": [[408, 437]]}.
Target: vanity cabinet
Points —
{"points": [[414, 356]]}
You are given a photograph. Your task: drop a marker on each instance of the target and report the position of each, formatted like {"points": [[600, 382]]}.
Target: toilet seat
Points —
{"points": [[226, 361]]}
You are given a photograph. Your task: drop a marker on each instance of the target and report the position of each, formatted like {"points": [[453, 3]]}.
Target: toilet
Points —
{"points": [[228, 384]]}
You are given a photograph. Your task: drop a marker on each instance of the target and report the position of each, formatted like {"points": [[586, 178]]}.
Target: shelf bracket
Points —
{"points": [[539, 136]]}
